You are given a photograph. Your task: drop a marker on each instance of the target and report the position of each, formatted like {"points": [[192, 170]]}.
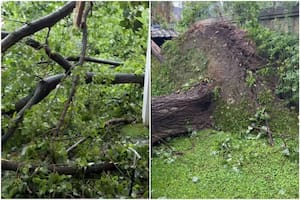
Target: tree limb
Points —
{"points": [[56, 57], [37, 45], [95, 60], [48, 84], [9, 165], [4, 34], [36, 25], [44, 87], [156, 51]]}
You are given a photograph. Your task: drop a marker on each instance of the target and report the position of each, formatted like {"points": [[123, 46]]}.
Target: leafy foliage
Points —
{"points": [[194, 11], [93, 105], [245, 13], [282, 52]]}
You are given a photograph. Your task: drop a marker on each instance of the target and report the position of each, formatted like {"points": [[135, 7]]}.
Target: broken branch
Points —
{"points": [[8, 165], [36, 25]]}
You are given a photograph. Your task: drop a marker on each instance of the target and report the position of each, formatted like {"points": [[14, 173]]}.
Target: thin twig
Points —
{"points": [[268, 131], [67, 104], [14, 20], [76, 79], [71, 148], [117, 121], [48, 34]]}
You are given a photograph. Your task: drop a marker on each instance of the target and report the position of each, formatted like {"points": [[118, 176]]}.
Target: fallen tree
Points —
{"points": [[179, 113], [218, 52]]}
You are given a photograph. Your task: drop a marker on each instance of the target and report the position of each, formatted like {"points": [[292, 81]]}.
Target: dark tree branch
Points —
{"points": [[48, 35], [118, 121], [156, 51], [267, 132], [49, 84], [37, 45], [84, 35], [56, 57], [61, 169], [36, 25], [44, 87], [95, 60], [4, 34]]}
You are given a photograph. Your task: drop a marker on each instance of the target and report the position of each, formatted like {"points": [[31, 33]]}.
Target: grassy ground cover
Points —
{"points": [[211, 164]]}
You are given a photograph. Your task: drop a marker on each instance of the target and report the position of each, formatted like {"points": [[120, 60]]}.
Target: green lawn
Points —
{"points": [[211, 164]]}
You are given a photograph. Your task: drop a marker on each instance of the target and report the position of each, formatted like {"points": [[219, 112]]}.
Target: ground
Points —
{"points": [[211, 164]]}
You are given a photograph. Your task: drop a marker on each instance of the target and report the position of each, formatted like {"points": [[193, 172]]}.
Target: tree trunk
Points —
{"points": [[156, 51], [182, 112]]}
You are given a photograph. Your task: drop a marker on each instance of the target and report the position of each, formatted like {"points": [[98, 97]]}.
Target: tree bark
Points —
{"points": [[182, 112], [156, 51]]}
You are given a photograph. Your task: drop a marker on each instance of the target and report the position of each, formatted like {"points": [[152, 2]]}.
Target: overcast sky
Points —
{"points": [[177, 4]]}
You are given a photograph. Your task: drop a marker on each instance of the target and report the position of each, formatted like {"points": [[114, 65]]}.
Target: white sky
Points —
{"points": [[177, 4]]}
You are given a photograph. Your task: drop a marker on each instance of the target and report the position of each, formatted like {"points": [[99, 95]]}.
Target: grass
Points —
{"points": [[211, 164]]}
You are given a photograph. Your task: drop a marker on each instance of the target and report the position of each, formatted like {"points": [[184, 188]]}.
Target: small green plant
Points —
{"points": [[216, 92], [258, 124], [250, 79], [265, 97]]}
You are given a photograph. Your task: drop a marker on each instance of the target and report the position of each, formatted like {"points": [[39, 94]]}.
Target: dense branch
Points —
{"points": [[61, 169], [115, 121], [76, 78], [36, 25], [56, 57], [46, 85]]}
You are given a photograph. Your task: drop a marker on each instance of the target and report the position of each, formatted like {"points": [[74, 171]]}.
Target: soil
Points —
{"points": [[229, 52]]}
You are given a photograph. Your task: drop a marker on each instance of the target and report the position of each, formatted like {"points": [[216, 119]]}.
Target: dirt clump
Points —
{"points": [[229, 53]]}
